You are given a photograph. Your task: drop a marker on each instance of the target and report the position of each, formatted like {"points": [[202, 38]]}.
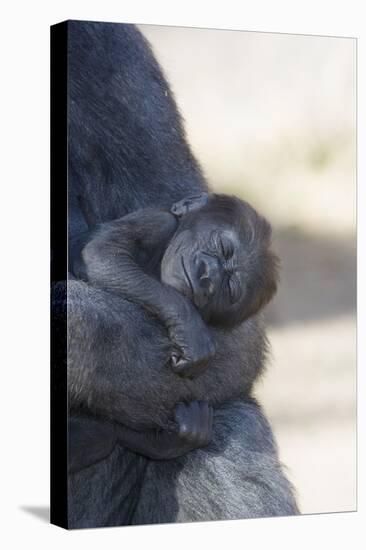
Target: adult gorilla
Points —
{"points": [[127, 150]]}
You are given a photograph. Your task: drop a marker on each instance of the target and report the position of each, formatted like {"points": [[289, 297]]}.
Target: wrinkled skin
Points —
{"points": [[220, 258]]}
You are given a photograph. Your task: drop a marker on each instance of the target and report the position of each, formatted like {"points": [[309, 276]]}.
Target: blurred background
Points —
{"points": [[272, 119]]}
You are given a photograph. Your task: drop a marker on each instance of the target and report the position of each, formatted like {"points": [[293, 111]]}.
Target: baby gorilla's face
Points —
{"points": [[219, 258], [203, 263]]}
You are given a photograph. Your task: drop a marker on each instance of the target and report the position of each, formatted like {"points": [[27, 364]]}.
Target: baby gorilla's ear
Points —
{"points": [[194, 202]]}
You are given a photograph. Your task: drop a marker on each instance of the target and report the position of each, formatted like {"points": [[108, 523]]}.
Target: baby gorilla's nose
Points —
{"points": [[203, 268], [207, 275]]}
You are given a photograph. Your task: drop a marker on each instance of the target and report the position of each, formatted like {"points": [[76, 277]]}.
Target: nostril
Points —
{"points": [[202, 270], [206, 284]]}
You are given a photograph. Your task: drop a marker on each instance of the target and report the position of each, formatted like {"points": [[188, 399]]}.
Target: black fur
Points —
{"points": [[127, 150]]}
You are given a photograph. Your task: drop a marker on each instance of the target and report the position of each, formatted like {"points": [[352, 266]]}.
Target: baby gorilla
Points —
{"points": [[212, 249], [205, 262]]}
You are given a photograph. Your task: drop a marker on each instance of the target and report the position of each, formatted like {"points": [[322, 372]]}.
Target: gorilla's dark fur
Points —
{"points": [[127, 150]]}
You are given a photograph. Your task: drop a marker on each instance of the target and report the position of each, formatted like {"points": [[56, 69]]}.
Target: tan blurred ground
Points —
{"points": [[272, 118]]}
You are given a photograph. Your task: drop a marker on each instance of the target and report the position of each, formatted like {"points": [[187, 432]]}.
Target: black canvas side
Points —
{"points": [[59, 273]]}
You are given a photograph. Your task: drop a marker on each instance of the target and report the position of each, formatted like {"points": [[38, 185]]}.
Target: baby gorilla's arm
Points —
{"points": [[116, 258], [92, 440]]}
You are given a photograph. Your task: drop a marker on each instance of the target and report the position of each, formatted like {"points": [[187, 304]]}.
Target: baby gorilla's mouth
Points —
{"points": [[187, 276]]}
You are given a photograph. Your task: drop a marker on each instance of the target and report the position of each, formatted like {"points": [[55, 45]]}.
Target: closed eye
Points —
{"points": [[213, 245], [227, 247], [222, 245]]}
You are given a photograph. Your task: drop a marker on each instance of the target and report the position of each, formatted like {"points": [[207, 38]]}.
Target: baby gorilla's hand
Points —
{"points": [[194, 347], [194, 422]]}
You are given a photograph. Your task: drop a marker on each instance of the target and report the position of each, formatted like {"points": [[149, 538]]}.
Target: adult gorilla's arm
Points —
{"points": [[92, 439], [90, 317], [118, 360]]}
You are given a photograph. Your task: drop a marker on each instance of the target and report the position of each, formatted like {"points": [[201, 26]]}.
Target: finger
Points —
{"points": [[179, 412], [178, 364], [204, 421], [194, 420], [180, 416], [210, 423]]}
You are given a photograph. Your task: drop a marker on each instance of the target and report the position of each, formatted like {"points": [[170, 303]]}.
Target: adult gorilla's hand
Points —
{"points": [[193, 430], [194, 421]]}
